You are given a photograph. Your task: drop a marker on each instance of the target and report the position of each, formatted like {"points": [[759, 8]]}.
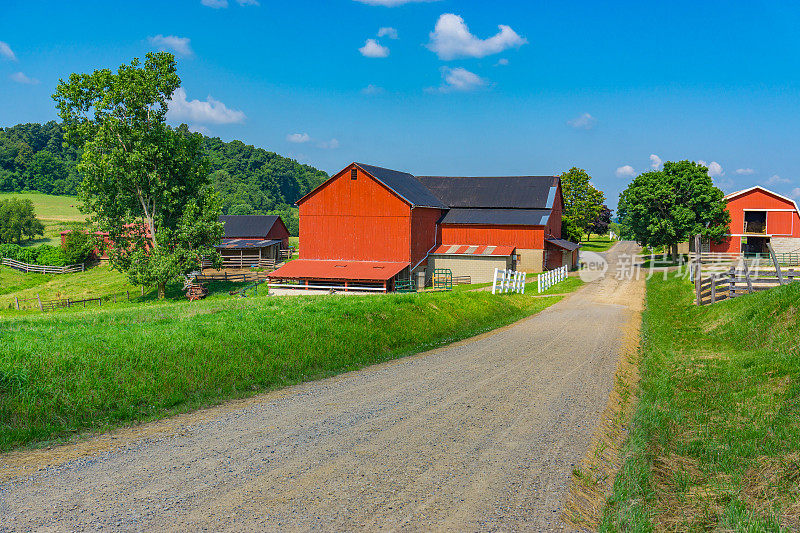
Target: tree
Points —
{"points": [[144, 182], [77, 246], [669, 206], [18, 221], [600, 224], [582, 201]]}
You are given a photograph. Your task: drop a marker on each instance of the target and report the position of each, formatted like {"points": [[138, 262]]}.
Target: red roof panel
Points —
{"points": [[462, 249], [338, 270]]}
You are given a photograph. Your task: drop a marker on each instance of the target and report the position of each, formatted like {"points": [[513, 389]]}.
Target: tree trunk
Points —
{"points": [[673, 251], [162, 289]]}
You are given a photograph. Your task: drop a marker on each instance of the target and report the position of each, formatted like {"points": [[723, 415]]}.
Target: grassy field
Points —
{"points": [[598, 243], [74, 370], [715, 440], [57, 213]]}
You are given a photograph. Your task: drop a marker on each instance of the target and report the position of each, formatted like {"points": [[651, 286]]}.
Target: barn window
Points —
{"points": [[353, 174]]}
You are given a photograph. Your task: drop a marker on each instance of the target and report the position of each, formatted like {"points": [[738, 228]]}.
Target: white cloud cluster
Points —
{"points": [[372, 89], [210, 111], [745, 171], [7, 52], [714, 169], [391, 33], [625, 171], [329, 145], [298, 138], [391, 3], [222, 4], [373, 48], [20, 77], [585, 121], [776, 180], [460, 80], [451, 39], [179, 45], [795, 193], [655, 162]]}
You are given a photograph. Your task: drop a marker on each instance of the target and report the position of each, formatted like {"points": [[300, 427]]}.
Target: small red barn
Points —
{"points": [[760, 216]]}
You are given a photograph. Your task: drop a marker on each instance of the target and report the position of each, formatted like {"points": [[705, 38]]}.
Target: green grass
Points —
{"points": [[715, 439], [66, 372], [598, 243], [57, 213]]}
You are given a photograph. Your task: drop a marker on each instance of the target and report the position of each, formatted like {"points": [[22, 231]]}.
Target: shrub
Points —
{"points": [[50, 255], [10, 251], [27, 255], [77, 247]]}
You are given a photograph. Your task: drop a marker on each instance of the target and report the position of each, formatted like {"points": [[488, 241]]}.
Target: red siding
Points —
{"points": [[423, 232], [524, 237], [554, 223], [779, 223], [356, 220], [278, 231]]}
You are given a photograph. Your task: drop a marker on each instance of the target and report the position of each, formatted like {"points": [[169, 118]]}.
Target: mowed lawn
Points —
{"points": [[597, 243], [69, 371], [715, 440], [57, 213]]}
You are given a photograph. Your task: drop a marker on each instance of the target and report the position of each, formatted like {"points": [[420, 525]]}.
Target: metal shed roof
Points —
{"points": [[519, 192], [498, 217], [237, 244], [406, 185], [466, 249], [565, 244], [247, 225]]}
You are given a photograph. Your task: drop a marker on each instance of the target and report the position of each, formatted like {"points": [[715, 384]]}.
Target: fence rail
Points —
{"points": [[42, 269], [551, 277], [62, 303], [509, 281], [242, 262], [236, 278]]}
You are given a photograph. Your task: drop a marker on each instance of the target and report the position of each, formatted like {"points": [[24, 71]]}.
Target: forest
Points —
{"points": [[249, 180]]}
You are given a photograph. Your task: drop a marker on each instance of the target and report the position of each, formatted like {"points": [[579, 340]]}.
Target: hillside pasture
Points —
{"points": [[57, 213]]}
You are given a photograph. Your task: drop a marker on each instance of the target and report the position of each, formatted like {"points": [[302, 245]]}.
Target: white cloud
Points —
{"points": [[776, 180], [372, 89], [655, 162], [197, 111], [248, 2], [7, 52], [461, 80], [216, 4], [329, 145], [714, 168], [451, 39], [179, 45], [196, 128], [626, 171], [795, 193], [502, 61], [391, 3], [373, 48], [745, 171], [391, 33], [583, 122], [20, 77], [298, 138]]}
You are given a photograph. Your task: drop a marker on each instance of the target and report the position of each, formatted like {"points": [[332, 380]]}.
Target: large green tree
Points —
{"points": [[18, 221], [582, 203], [663, 208], [144, 182]]}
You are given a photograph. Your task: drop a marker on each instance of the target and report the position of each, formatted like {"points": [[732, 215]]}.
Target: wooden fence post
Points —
{"points": [[697, 267], [747, 276], [732, 283], [775, 262], [713, 289]]}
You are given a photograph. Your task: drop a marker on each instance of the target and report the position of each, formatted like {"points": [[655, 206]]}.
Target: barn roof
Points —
{"points": [[499, 217], [564, 244], [237, 226], [243, 244], [321, 269], [762, 189], [466, 249], [405, 185], [510, 192]]}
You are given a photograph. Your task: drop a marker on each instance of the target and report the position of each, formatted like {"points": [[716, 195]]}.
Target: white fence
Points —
{"points": [[508, 281], [551, 277], [42, 269]]}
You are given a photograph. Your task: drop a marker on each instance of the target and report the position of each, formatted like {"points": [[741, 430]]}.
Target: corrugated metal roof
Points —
{"points": [[406, 185], [519, 192], [565, 244], [500, 217], [466, 249], [319, 269], [237, 244], [247, 225]]}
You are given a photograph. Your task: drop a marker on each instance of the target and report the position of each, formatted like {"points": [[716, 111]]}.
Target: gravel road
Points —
{"points": [[479, 435]]}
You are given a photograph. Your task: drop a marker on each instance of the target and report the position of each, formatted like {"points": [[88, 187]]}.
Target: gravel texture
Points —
{"points": [[479, 435]]}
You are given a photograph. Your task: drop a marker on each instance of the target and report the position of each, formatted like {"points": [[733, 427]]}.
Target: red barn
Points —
{"points": [[369, 225], [758, 217]]}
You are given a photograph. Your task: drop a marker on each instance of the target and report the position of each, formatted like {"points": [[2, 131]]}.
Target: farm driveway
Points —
{"points": [[478, 435]]}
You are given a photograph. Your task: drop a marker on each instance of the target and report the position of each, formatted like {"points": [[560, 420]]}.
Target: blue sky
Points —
{"points": [[451, 86]]}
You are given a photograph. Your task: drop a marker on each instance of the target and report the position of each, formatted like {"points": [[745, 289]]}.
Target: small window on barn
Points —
{"points": [[353, 174]]}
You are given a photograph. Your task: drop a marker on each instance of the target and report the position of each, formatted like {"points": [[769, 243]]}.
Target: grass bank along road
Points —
{"points": [[480, 434]]}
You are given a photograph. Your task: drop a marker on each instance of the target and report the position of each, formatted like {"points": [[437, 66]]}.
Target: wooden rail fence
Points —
{"points": [[42, 269], [60, 303], [236, 278]]}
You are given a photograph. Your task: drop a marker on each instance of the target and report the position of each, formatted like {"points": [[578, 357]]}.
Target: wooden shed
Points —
{"points": [[252, 240]]}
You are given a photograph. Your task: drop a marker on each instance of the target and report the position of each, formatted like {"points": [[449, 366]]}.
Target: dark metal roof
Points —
{"points": [[500, 217], [405, 185], [520, 192], [565, 244], [239, 244], [247, 225]]}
